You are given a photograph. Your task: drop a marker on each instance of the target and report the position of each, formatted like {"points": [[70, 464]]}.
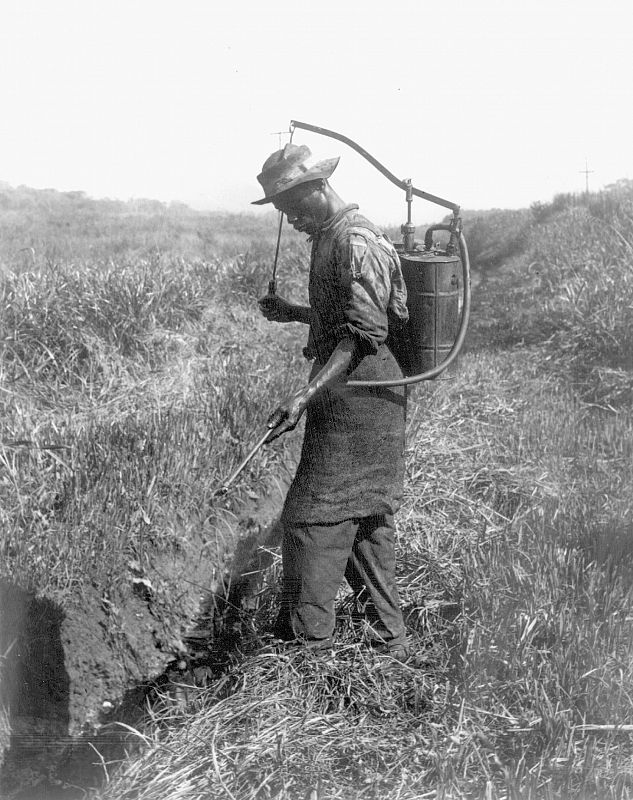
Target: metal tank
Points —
{"points": [[433, 292]]}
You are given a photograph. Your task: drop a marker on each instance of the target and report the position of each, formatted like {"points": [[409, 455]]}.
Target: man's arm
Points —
{"points": [[288, 414]]}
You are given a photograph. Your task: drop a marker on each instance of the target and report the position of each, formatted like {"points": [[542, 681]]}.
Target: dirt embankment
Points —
{"points": [[68, 675]]}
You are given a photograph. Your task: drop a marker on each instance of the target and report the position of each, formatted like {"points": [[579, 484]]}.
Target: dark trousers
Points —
{"points": [[316, 558]]}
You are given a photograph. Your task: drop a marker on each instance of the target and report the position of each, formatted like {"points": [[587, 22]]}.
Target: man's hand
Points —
{"points": [[276, 309], [286, 416]]}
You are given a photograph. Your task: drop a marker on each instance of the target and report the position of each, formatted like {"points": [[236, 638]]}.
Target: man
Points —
{"points": [[338, 514]]}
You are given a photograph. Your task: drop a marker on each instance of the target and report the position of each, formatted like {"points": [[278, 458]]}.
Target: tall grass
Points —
{"points": [[514, 541], [515, 550], [46, 227], [571, 286], [520, 612], [130, 389], [590, 260]]}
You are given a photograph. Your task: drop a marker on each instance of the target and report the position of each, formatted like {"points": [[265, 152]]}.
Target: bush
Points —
{"points": [[588, 262], [496, 236]]}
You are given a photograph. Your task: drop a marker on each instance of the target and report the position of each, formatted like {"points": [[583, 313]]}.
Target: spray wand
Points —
{"points": [[272, 288], [224, 487]]}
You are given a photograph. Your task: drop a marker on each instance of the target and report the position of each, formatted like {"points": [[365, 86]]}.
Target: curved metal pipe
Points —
{"points": [[463, 249], [405, 185], [428, 236]]}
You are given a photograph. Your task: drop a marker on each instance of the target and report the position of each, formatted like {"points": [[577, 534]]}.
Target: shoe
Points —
{"points": [[400, 652]]}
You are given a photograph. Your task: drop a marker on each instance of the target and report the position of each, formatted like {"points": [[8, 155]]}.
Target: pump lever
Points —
{"points": [[380, 167], [272, 283]]}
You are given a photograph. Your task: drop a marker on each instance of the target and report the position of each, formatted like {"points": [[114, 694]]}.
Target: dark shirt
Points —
{"points": [[352, 461], [356, 285]]}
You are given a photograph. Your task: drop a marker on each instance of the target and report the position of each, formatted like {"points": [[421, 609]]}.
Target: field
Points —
{"points": [[135, 377]]}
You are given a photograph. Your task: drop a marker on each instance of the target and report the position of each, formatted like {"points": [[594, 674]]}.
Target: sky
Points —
{"points": [[485, 103]]}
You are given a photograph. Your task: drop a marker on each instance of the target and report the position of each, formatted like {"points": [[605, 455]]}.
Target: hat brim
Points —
{"points": [[319, 171]]}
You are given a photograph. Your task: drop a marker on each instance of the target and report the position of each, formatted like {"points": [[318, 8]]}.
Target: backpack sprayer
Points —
{"points": [[430, 341]]}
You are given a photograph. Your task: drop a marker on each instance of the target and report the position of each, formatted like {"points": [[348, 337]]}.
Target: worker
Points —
{"points": [[338, 516]]}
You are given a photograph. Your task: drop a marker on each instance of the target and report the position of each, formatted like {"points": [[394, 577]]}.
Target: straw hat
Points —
{"points": [[287, 168]]}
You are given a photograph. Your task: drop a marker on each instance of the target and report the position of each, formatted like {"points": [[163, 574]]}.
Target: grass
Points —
{"points": [[514, 541], [129, 391], [518, 604]]}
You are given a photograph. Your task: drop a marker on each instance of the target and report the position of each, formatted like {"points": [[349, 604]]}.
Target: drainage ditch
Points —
{"points": [[57, 743]]}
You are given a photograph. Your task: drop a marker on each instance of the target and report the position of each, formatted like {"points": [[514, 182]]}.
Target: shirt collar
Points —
{"points": [[331, 222]]}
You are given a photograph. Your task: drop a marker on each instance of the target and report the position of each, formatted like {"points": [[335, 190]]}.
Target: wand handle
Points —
{"points": [[272, 283], [224, 487]]}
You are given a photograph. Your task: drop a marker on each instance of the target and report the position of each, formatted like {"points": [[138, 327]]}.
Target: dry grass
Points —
{"points": [[128, 394], [516, 586], [515, 544]]}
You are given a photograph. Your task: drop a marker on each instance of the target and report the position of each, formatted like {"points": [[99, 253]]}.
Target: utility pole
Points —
{"points": [[586, 172], [280, 134]]}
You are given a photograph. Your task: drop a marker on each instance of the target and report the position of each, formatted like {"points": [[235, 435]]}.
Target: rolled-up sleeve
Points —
{"points": [[365, 282]]}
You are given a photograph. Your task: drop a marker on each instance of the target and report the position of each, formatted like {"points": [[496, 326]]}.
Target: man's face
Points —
{"points": [[305, 206]]}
